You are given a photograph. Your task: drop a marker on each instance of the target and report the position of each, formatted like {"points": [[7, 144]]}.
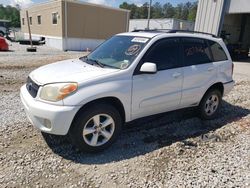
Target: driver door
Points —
{"points": [[159, 92]]}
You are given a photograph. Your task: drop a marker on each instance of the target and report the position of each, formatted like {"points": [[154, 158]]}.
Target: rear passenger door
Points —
{"points": [[199, 70]]}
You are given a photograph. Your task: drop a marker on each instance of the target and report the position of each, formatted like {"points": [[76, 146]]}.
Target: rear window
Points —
{"points": [[217, 51], [196, 51]]}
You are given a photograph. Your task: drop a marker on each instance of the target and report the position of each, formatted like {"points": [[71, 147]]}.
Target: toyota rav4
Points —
{"points": [[129, 76]]}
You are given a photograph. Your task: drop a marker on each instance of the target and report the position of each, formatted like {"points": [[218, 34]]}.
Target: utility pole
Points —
{"points": [[28, 23], [149, 12], [31, 48]]}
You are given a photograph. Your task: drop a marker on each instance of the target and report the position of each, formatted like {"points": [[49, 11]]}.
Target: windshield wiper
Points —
{"points": [[102, 65], [92, 60], [97, 62]]}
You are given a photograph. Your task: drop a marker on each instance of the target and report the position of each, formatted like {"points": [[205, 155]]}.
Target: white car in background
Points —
{"points": [[129, 76]]}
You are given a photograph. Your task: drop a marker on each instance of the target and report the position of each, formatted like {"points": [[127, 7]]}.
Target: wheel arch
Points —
{"points": [[114, 101], [218, 85]]}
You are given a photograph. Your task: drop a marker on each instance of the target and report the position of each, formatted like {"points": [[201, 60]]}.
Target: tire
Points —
{"points": [[210, 104], [95, 128], [1, 34]]}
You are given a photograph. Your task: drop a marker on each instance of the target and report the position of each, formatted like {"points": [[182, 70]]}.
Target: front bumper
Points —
{"points": [[228, 86], [48, 118]]}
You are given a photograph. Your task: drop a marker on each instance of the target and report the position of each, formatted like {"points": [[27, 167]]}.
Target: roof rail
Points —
{"points": [[151, 30], [188, 31], [173, 31]]}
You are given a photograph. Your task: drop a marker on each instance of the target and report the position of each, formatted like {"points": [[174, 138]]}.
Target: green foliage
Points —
{"points": [[10, 13], [184, 11]]}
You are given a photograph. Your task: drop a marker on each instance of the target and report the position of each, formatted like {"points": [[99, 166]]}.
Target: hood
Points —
{"points": [[73, 70]]}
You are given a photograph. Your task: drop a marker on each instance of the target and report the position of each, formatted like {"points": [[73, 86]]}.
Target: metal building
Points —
{"points": [[229, 19], [166, 23], [73, 25]]}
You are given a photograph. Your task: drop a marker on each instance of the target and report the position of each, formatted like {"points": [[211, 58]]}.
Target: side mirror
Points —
{"points": [[148, 68]]}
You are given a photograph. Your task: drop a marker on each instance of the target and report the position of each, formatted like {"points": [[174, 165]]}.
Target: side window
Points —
{"points": [[30, 20], [195, 51], [217, 51], [165, 54], [39, 19], [54, 18]]}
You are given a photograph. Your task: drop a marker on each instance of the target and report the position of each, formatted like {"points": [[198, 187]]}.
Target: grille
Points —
{"points": [[32, 87]]}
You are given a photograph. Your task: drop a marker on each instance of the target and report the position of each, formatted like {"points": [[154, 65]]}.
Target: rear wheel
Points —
{"points": [[210, 104], [96, 128]]}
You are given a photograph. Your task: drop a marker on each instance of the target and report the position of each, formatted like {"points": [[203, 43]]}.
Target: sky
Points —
{"points": [[113, 3]]}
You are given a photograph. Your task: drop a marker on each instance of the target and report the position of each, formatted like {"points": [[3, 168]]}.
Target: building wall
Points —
{"points": [[80, 25], [45, 11], [232, 26], [167, 23], [94, 22], [154, 24], [238, 6], [209, 16], [183, 25]]}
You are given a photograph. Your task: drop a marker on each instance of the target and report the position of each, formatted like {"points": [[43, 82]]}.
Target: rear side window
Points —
{"points": [[165, 54], [196, 51], [217, 51]]}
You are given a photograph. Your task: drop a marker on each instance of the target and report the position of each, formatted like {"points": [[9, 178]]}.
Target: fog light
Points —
{"points": [[47, 123]]}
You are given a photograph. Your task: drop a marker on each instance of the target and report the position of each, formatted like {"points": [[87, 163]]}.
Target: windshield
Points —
{"points": [[118, 52]]}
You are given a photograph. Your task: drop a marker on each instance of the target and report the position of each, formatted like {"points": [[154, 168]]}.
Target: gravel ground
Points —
{"points": [[174, 149]]}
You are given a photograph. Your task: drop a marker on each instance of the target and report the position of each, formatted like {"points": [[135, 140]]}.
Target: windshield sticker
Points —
{"points": [[140, 40], [124, 65], [132, 50]]}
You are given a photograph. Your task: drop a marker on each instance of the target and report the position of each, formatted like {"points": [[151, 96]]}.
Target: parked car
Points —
{"points": [[4, 27], [131, 75], [3, 44]]}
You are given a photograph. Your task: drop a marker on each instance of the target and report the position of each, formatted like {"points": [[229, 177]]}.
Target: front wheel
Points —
{"points": [[96, 128], [210, 104], [1, 34]]}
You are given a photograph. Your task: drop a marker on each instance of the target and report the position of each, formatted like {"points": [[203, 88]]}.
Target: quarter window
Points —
{"points": [[165, 54], [54, 18], [196, 51], [217, 51], [39, 20]]}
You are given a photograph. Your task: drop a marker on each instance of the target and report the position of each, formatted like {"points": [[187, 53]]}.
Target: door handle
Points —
{"points": [[176, 75], [210, 69]]}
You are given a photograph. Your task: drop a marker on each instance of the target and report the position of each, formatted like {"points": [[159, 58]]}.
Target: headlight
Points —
{"points": [[57, 92]]}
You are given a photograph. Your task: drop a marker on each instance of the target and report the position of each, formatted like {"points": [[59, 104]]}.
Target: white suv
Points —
{"points": [[131, 75]]}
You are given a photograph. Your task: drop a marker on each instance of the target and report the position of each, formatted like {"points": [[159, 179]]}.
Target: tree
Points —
{"points": [[184, 11], [157, 10], [193, 11], [133, 8], [143, 11], [168, 10], [11, 13]]}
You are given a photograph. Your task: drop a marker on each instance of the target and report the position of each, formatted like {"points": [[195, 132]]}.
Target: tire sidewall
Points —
{"points": [[82, 118], [1, 34], [203, 103]]}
